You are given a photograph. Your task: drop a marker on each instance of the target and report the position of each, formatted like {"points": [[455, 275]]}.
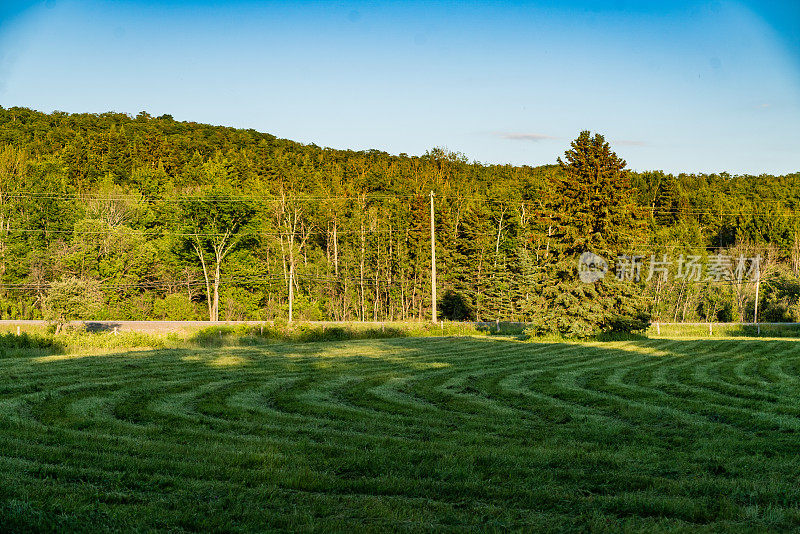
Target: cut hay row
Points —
{"points": [[406, 433]]}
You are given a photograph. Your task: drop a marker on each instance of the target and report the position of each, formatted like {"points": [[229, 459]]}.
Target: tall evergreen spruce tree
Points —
{"points": [[589, 207]]}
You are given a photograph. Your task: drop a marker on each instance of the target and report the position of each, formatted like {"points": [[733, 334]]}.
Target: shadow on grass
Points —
{"points": [[603, 337], [246, 335], [621, 336], [218, 336]]}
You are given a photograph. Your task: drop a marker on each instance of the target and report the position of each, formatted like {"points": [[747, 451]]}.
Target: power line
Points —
{"points": [[383, 196], [651, 247], [368, 281]]}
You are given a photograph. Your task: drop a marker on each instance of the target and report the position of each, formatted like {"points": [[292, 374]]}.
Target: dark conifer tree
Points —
{"points": [[590, 208]]}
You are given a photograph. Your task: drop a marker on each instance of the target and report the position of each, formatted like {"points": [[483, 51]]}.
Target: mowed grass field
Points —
{"points": [[405, 434]]}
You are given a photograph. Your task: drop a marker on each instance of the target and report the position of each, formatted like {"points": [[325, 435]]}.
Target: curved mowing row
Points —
{"points": [[431, 433]]}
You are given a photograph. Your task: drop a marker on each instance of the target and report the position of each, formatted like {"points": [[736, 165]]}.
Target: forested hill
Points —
{"points": [[148, 208], [171, 154]]}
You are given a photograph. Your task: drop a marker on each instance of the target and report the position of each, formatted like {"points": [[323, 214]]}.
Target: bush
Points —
{"points": [[238, 304], [306, 309], [70, 299], [176, 307]]}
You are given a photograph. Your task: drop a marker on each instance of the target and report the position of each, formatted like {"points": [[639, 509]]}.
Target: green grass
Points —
{"points": [[78, 339], [458, 433], [787, 330]]}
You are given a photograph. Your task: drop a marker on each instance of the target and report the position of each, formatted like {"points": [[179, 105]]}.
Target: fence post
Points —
{"points": [[710, 329], [658, 328]]}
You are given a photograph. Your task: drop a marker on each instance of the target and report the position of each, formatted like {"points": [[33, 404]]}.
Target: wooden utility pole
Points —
{"points": [[291, 288], [433, 266], [755, 310]]}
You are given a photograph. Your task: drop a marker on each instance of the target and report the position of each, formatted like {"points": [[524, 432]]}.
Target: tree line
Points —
{"points": [[179, 220]]}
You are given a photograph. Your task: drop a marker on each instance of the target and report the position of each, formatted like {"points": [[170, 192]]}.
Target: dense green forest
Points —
{"points": [[179, 220]]}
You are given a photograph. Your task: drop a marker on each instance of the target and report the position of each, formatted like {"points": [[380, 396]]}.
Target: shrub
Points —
{"points": [[239, 304], [70, 299], [176, 307]]}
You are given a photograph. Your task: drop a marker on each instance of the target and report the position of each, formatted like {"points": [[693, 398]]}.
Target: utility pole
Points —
{"points": [[291, 288], [433, 266], [758, 286]]}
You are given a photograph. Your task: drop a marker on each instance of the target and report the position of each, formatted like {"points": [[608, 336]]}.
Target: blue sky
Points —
{"points": [[690, 86]]}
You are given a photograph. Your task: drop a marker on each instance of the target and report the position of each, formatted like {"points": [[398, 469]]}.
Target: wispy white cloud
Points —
{"points": [[516, 136]]}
